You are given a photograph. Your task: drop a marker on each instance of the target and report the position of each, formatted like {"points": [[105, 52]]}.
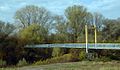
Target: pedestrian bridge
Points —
{"points": [[78, 45]]}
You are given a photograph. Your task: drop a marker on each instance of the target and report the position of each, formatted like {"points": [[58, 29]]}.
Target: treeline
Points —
{"points": [[37, 25]]}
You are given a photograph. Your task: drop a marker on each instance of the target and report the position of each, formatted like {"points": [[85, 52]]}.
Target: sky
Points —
{"points": [[109, 8]]}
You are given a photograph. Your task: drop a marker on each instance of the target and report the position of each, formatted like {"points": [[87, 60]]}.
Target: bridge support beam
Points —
{"points": [[95, 36], [86, 36]]}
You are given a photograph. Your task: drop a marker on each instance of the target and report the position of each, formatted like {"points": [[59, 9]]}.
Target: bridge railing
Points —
{"points": [[78, 45]]}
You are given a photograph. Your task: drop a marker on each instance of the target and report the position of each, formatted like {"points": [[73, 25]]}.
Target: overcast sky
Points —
{"points": [[109, 8]]}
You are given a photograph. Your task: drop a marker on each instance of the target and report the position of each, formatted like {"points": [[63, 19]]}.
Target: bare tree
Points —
{"points": [[33, 15]]}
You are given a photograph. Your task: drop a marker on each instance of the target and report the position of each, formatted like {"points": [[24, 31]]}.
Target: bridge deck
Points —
{"points": [[80, 45]]}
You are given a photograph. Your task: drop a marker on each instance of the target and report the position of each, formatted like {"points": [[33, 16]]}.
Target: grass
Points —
{"points": [[83, 65]]}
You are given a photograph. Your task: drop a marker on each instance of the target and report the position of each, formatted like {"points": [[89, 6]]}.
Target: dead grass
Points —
{"points": [[83, 65]]}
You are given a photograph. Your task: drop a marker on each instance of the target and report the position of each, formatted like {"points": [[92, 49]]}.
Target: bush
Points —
{"points": [[82, 55], [114, 57], [60, 59], [22, 62], [104, 59], [56, 52], [2, 63], [11, 50]]}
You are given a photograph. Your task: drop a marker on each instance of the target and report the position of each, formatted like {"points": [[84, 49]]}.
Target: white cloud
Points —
{"points": [[4, 8], [99, 4], [109, 8]]}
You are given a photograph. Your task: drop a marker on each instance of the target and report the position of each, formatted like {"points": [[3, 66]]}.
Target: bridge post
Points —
{"points": [[95, 31], [86, 36]]}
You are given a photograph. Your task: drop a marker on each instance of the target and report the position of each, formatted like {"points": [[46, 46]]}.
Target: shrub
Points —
{"points": [[22, 62], [104, 59], [2, 63], [56, 52], [82, 55], [11, 50], [60, 59]]}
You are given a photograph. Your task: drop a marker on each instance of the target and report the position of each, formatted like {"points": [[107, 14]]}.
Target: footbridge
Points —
{"points": [[78, 45]]}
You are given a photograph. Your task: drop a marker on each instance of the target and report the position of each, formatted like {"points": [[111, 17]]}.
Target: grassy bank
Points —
{"points": [[83, 65]]}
